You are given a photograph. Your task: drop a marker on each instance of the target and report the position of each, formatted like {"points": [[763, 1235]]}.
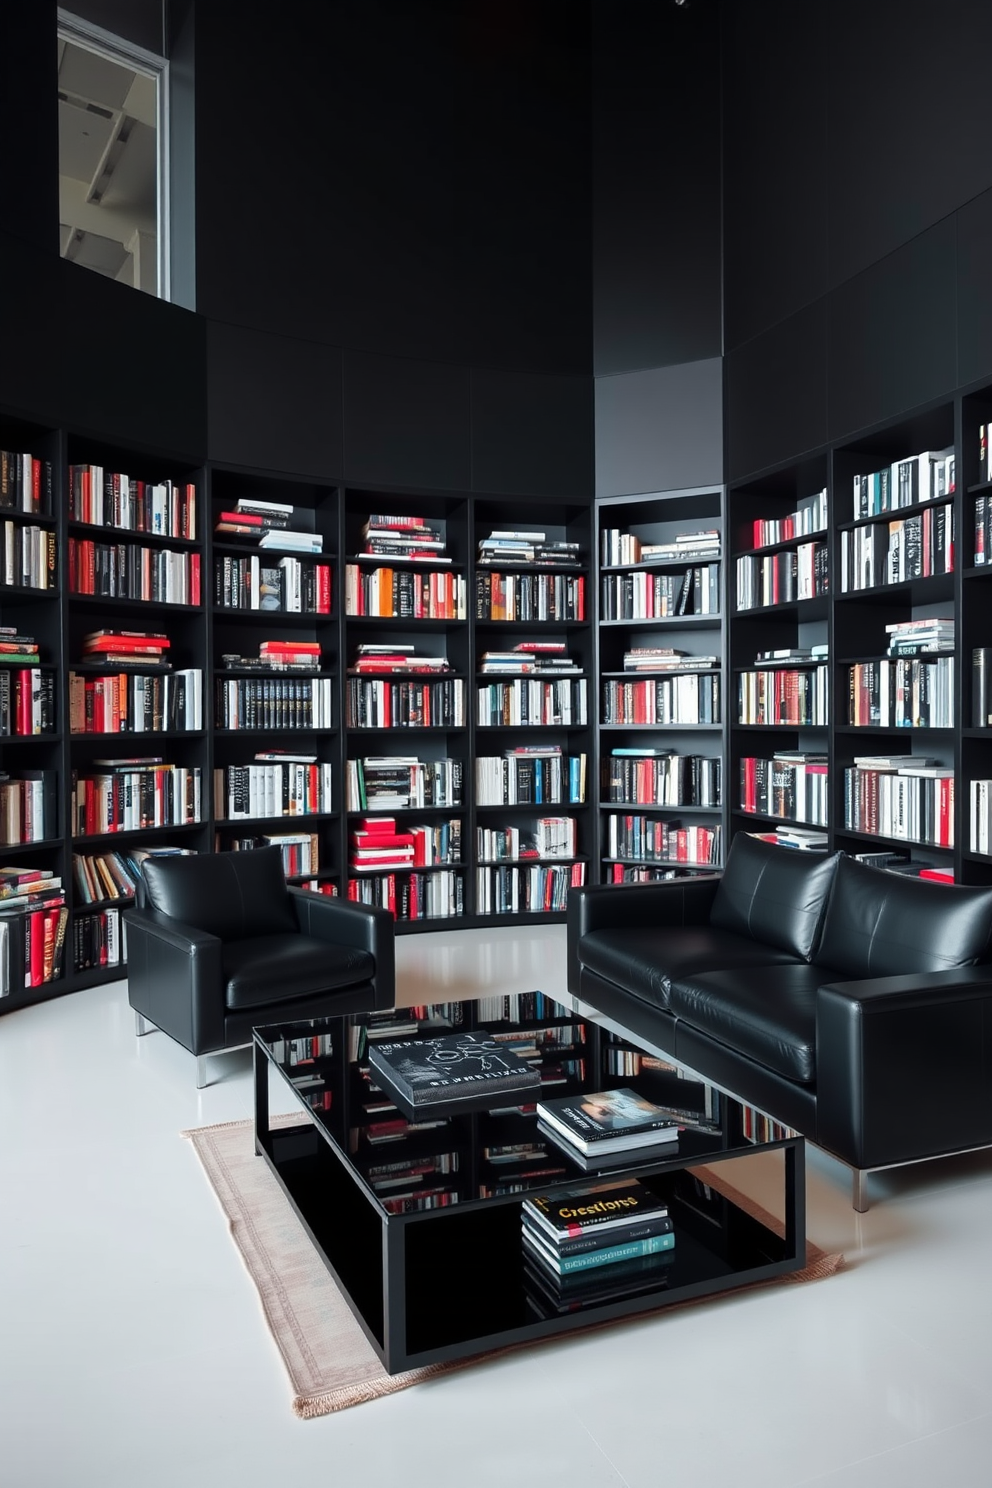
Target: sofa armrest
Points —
{"points": [[903, 1065], [674, 901], [364, 927], [175, 979]]}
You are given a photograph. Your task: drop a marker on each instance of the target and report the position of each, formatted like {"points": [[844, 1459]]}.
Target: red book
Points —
{"points": [[246, 519], [312, 648], [323, 589], [938, 875], [194, 578], [37, 947]]}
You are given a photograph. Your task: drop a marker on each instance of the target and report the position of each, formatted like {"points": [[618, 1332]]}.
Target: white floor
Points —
{"points": [[133, 1352]]}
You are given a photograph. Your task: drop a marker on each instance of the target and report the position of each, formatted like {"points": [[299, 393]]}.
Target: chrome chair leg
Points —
{"points": [[142, 1025]]}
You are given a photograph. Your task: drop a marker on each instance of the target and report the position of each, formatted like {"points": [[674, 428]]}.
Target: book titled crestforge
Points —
{"points": [[455, 1070]]}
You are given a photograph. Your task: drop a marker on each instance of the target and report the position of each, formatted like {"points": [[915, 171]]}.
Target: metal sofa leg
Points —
{"points": [[859, 1191], [142, 1025], [201, 1071]]}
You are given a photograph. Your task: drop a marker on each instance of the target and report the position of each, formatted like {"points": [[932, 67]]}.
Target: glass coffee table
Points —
{"points": [[419, 1221]]}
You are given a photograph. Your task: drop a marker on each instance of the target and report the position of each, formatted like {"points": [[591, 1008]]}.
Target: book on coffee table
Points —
{"points": [[453, 1073], [607, 1121]]}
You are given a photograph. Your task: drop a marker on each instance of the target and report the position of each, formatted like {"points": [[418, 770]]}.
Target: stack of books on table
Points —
{"points": [[592, 1244], [412, 538], [608, 1127], [270, 524], [510, 549]]}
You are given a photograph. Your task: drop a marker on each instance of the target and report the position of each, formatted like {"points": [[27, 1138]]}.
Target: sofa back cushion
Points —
{"points": [[774, 894], [885, 924], [233, 895]]}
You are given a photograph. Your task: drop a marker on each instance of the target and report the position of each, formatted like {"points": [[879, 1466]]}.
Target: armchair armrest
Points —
{"points": [[675, 901], [903, 1065], [175, 979], [362, 926]]}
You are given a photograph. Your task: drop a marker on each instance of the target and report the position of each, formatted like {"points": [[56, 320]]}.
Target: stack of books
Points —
{"points": [[530, 656], [698, 546], [412, 538], [917, 637], [608, 1126], [144, 649], [380, 660], [375, 843], [296, 652], [587, 1244], [16, 647], [665, 659], [270, 524], [792, 656], [33, 919], [511, 548]]}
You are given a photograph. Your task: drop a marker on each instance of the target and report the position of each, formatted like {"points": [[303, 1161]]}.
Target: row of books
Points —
{"points": [[810, 516], [375, 703], [105, 498], [133, 795], [530, 596], [531, 547], [29, 558], [300, 850], [287, 585], [530, 777], [107, 875], [905, 797], [27, 702], [983, 530], [515, 889], [661, 777], [792, 785], [135, 703], [402, 783], [783, 695], [25, 483], [928, 476], [530, 700], [690, 698], [618, 548], [32, 946], [657, 596], [277, 703], [917, 547], [782, 578], [438, 895], [298, 785], [980, 816], [380, 842], [404, 594], [549, 837], [28, 806], [911, 693], [634, 838], [130, 571], [99, 940]]}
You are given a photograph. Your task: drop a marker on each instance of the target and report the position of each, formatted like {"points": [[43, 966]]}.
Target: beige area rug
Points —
{"points": [[330, 1363]]}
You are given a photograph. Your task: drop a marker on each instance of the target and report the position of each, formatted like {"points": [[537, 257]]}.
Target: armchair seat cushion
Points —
{"points": [[646, 960], [767, 1014], [269, 969]]}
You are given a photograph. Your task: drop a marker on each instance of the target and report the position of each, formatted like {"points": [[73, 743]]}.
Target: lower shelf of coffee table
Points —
{"points": [[451, 1282]]}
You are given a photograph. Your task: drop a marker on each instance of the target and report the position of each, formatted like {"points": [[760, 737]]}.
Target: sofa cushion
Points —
{"points": [[644, 960], [230, 894], [265, 970], [767, 1014], [886, 924], [774, 894]]}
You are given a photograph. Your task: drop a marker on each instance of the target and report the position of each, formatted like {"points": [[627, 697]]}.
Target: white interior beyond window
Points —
{"points": [[112, 173]]}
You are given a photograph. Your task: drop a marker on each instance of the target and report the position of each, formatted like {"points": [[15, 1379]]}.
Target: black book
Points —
{"points": [[459, 1071]]}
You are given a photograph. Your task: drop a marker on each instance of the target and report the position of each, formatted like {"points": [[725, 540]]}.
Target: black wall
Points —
{"points": [[393, 274], [857, 215]]}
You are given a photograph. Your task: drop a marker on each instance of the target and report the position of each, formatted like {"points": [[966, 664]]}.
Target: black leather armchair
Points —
{"points": [[218, 945]]}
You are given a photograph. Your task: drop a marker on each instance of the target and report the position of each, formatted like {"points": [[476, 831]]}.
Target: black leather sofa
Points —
{"points": [[850, 1003]]}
